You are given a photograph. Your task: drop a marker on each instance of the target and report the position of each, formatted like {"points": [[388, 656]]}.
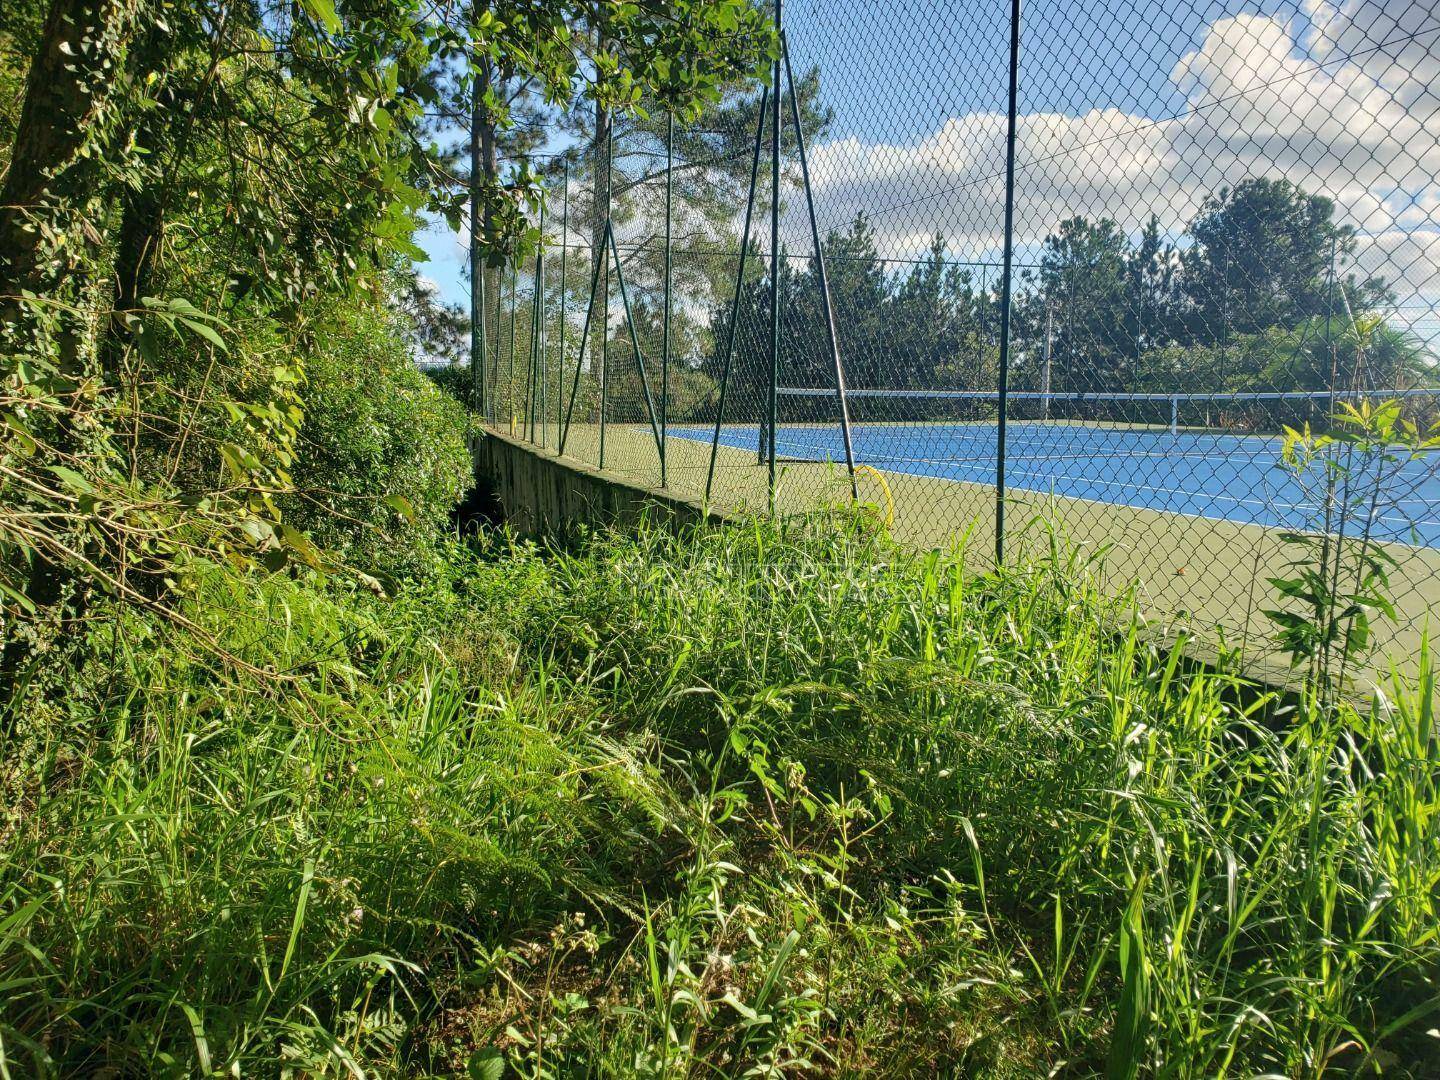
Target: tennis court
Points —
{"points": [[1222, 476]]}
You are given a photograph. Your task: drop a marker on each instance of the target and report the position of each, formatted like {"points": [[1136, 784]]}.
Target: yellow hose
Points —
{"points": [[885, 487]]}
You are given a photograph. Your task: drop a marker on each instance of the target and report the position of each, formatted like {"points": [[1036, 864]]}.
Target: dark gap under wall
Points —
{"points": [[480, 508]]}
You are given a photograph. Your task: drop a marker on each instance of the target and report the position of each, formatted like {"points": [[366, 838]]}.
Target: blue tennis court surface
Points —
{"points": [[1231, 477]]}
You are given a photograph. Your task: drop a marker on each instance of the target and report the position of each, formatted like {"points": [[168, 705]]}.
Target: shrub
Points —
{"points": [[382, 459], [456, 381]]}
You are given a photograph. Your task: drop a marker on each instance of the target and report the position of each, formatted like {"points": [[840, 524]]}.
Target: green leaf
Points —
{"points": [[409, 249], [324, 11], [487, 1063], [72, 479], [401, 506], [302, 546], [1289, 587], [1132, 1018], [260, 531], [307, 878], [19, 598], [149, 346], [206, 332], [1288, 620], [27, 443], [197, 1032]]}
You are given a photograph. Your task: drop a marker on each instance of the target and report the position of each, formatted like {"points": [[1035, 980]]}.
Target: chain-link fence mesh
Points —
{"points": [[1223, 226]]}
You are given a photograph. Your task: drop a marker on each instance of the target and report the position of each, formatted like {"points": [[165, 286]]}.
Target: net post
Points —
{"points": [[1008, 260]]}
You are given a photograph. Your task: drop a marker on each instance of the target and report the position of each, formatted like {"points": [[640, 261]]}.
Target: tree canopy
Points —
{"points": [[194, 187]]}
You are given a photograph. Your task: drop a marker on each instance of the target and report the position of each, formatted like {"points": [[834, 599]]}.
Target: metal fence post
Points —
{"points": [[529, 399], [510, 377], [494, 396], [478, 358], [1008, 261], [665, 317], [537, 320], [605, 293], [1045, 375], [584, 340], [770, 409], [564, 249], [635, 344], [542, 404]]}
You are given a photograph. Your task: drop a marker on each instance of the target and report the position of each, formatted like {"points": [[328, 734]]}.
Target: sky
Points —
{"points": [[1126, 108]]}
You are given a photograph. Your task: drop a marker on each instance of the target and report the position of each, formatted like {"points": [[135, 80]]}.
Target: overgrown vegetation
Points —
{"points": [[296, 780], [733, 801], [206, 223]]}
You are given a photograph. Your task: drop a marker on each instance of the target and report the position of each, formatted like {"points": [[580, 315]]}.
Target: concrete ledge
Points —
{"points": [[544, 495]]}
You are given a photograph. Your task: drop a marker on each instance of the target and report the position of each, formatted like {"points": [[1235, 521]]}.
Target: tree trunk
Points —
{"points": [[601, 179], [490, 170], [143, 205], [52, 203]]}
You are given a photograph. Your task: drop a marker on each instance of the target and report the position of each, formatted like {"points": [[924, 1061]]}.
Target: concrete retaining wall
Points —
{"points": [[541, 494]]}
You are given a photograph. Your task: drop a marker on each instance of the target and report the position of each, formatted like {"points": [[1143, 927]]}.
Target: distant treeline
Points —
{"points": [[1261, 294]]}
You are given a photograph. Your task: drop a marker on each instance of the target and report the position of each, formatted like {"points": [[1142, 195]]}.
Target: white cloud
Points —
{"points": [[1342, 102], [448, 258], [1393, 41]]}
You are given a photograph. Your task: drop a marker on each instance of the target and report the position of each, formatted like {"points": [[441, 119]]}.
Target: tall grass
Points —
{"points": [[757, 800]]}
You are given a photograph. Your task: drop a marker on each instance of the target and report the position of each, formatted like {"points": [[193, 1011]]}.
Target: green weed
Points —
{"points": [[764, 800]]}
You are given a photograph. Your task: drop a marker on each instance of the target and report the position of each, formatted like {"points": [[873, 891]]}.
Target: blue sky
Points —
{"points": [[1127, 109]]}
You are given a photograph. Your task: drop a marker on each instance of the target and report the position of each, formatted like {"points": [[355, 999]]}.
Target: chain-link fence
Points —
{"points": [[1084, 264]]}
